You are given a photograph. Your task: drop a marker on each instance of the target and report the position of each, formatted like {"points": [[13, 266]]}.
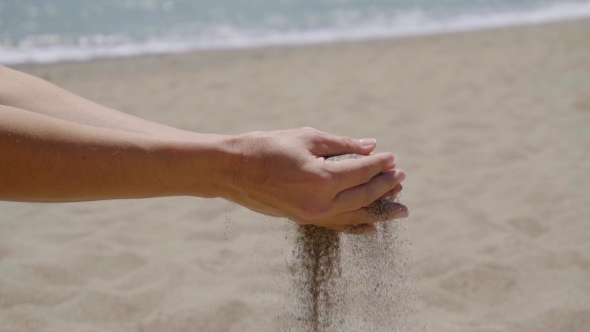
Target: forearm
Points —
{"points": [[48, 159], [33, 94]]}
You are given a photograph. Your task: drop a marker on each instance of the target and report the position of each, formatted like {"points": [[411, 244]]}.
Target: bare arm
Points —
{"points": [[56, 146], [33, 94], [48, 159]]}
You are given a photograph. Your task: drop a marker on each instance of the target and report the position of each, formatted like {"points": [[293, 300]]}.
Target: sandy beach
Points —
{"points": [[491, 127]]}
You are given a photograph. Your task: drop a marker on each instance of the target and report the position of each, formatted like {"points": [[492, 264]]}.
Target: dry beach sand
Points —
{"points": [[492, 128]]}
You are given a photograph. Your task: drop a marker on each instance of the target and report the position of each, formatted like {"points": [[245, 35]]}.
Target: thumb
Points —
{"points": [[329, 145]]}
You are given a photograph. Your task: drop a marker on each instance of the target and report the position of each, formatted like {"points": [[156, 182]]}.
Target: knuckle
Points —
{"points": [[309, 130], [348, 142], [323, 180], [309, 134]]}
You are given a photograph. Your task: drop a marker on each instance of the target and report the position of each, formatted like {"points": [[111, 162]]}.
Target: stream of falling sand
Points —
{"points": [[351, 282]]}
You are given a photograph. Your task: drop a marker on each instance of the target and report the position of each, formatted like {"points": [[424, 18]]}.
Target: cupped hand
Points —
{"points": [[285, 174]]}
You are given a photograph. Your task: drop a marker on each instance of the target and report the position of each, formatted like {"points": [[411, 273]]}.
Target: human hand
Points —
{"points": [[285, 174]]}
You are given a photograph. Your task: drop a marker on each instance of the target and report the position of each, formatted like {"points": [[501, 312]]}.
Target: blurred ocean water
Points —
{"points": [[44, 31]]}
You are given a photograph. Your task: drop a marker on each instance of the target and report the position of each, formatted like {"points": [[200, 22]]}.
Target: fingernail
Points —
{"points": [[368, 142], [401, 212]]}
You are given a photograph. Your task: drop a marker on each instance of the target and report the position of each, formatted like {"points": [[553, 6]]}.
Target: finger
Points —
{"points": [[327, 145], [387, 211], [364, 195], [391, 195], [355, 172], [396, 191]]}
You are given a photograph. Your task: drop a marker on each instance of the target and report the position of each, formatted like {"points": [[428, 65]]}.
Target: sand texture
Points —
{"points": [[492, 129]]}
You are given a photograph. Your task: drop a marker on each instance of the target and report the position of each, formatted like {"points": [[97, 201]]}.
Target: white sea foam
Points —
{"points": [[52, 49]]}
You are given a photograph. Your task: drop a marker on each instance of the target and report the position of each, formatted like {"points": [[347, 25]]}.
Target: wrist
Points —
{"points": [[195, 166], [216, 165], [240, 167]]}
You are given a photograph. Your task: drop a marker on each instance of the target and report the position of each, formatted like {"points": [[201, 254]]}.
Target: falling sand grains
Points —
{"points": [[318, 252], [351, 282]]}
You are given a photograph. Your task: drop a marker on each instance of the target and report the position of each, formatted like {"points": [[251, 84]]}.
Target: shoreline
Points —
{"points": [[423, 27], [323, 45]]}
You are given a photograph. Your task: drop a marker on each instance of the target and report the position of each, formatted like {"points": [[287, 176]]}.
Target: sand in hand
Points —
{"points": [[350, 283]]}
